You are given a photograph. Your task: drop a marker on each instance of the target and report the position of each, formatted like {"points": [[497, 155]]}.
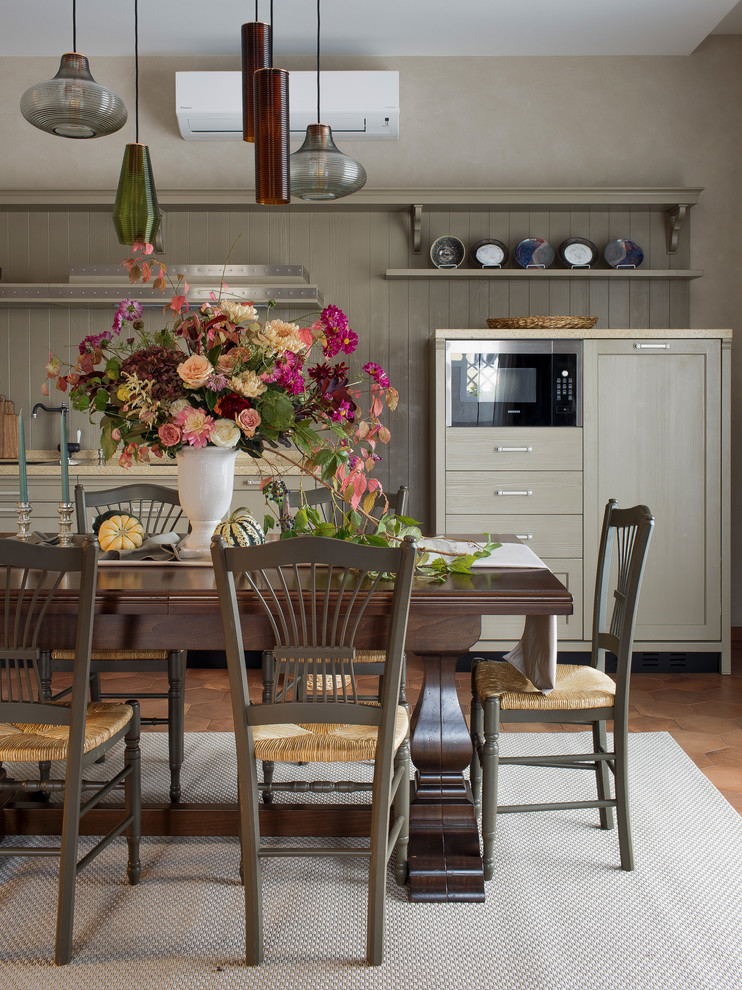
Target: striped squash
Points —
{"points": [[242, 529]]}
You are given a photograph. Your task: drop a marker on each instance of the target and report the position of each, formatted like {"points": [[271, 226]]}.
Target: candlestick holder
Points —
{"points": [[24, 521], [65, 523]]}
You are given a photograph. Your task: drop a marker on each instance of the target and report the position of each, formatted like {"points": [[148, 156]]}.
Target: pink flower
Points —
{"points": [[169, 435], [248, 421], [376, 372], [196, 370], [342, 412], [226, 362], [196, 426]]}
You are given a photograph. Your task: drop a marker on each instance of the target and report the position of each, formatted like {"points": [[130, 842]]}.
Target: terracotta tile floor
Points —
{"points": [[703, 712]]}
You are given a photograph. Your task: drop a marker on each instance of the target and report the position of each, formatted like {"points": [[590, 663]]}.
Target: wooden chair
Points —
{"points": [[316, 612], [325, 501], [159, 510], [32, 730], [584, 695]]}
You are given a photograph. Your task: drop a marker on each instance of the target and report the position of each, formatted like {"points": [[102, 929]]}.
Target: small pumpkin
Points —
{"points": [[120, 532], [99, 520], [242, 529]]}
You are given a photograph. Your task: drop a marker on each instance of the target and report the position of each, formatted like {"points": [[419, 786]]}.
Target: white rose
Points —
{"points": [[226, 433], [178, 406], [238, 312]]}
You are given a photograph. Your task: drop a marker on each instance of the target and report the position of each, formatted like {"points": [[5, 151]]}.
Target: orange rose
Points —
{"points": [[196, 370]]}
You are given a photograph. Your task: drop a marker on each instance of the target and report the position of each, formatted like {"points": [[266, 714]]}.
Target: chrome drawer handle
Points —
{"points": [[252, 481], [652, 347], [514, 450], [500, 491], [8, 511], [524, 536]]}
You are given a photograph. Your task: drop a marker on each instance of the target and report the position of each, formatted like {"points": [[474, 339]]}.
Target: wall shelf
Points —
{"points": [[506, 273]]}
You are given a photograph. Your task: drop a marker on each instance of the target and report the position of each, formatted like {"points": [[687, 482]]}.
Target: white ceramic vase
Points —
{"points": [[205, 486]]}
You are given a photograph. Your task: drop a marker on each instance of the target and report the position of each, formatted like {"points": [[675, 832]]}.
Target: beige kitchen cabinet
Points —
{"points": [[656, 429], [654, 414]]}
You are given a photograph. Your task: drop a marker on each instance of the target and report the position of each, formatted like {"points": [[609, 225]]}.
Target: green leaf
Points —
{"points": [[101, 400], [268, 522], [276, 410]]}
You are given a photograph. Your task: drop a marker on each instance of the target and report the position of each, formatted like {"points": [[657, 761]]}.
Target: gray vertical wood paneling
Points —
{"points": [[346, 252]]}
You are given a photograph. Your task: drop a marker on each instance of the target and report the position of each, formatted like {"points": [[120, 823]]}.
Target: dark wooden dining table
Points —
{"points": [[147, 605]]}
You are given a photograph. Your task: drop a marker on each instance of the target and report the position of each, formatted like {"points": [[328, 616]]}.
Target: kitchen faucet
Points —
{"points": [[72, 448]]}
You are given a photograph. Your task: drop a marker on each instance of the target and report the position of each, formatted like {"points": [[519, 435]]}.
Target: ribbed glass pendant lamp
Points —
{"points": [[257, 53], [319, 169], [136, 213], [73, 104]]}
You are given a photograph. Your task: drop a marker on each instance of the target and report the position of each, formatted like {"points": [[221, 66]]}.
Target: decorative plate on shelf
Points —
{"points": [[578, 252], [447, 252], [623, 254], [489, 253], [534, 252]]}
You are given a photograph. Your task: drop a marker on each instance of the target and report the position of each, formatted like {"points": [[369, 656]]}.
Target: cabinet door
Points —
{"points": [[652, 426]]}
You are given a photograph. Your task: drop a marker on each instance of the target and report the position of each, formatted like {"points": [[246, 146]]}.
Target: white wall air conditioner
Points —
{"points": [[362, 105]]}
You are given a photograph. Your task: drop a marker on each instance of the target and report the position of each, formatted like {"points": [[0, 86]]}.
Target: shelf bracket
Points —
{"points": [[416, 226], [676, 217]]}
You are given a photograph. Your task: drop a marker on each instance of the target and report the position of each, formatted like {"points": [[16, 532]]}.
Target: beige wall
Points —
{"points": [[469, 122]]}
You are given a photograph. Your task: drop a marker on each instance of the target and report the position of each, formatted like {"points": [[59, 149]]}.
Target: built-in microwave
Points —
{"points": [[513, 383]]}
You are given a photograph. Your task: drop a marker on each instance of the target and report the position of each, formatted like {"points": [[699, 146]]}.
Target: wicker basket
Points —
{"points": [[546, 322]]}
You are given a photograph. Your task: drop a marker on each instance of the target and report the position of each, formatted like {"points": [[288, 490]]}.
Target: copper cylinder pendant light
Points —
{"points": [[136, 213], [257, 53], [271, 117], [73, 104], [272, 137], [319, 169]]}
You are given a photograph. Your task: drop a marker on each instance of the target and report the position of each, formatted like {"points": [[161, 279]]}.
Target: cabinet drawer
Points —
{"points": [[509, 628], [514, 449], [521, 492], [547, 536]]}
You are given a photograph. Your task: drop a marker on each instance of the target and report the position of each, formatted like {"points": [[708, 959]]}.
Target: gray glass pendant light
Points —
{"points": [[319, 170], [136, 213], [73, 104]]}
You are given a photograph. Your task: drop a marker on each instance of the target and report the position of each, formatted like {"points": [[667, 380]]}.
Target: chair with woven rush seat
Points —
{"points": [[36, 731], [583, 695], [158, 509], [319, 596]]}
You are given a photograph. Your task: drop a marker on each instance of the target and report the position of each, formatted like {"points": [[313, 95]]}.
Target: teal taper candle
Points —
{"points": [[65, 456], [22, 459]]}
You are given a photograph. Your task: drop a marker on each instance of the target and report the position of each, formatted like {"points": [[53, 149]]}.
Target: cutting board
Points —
{"points": [[8, 429]]}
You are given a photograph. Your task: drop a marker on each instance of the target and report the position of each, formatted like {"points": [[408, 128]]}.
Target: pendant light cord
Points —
{"points": [[318, 116], [74, 25], [136, 68]]}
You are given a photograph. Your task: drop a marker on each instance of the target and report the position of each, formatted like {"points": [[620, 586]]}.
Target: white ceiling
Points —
{"points": [[371, 27]]}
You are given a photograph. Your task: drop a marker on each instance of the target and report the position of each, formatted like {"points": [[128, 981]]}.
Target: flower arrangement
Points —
{"points": [[219, 376]]}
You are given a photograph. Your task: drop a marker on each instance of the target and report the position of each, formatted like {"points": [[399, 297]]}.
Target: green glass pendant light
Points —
{"points": [[136, 213]]}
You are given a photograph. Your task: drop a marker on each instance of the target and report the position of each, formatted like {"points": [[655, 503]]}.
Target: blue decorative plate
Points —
{"points": [[623, 254], [534, 252]]}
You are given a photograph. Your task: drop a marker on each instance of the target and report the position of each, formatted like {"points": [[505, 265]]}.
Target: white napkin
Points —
{"points": [[506, 555], [536, 653]]}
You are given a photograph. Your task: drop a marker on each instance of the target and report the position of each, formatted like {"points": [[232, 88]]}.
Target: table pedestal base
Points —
{"points": [[444, 859]]}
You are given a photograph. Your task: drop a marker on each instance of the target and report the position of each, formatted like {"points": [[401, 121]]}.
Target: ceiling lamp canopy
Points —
{"points": [[319, 169], [73, 104], [136, 213]]}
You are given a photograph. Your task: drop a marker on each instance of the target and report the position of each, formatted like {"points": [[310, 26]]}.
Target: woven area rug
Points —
{"points": [[559, 915]]}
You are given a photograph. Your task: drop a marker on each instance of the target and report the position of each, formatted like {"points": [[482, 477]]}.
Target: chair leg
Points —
{"points": [[490, 767], [475, 769], [68, 860], [250, 869], [95, 695], [600, 745], [176, 663], [133, 794], [625, 844], [402, 810], [376, 894]]}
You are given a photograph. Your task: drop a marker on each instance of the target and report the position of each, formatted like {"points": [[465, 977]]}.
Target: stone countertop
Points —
{"points": [[45, 464], [554, 333]]}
